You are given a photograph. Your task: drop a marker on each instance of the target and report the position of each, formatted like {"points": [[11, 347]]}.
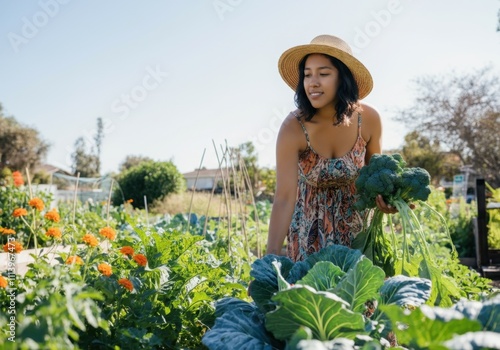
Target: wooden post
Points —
{"points": [[483, 259]]}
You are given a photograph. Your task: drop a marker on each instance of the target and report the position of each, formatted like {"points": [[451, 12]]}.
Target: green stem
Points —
{"points": [[87, 263]]}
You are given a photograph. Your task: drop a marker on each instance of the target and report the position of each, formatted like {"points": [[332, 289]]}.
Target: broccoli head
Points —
{"points": [[388, 176]]}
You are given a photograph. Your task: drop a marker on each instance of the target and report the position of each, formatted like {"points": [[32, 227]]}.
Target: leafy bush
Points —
{"points": [[152, 179]]}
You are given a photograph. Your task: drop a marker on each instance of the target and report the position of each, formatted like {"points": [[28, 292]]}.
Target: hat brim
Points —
{"points": [[288, 65]]}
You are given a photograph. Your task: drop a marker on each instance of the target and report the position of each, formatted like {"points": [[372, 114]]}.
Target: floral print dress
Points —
{"points": [[324, 212]]}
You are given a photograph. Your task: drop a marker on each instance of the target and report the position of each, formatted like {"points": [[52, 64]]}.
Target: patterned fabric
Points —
{"points": [[323, 211]]}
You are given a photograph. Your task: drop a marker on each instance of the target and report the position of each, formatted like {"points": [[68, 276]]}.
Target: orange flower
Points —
{"points": [[52, 215], [53, 232], [105, 269], [7, 231], [127, 250], [19, 212], [141, 259], [3, 282], [90, 240], [36, 203], [12, 247], [18, 178], [74, 259], [126, 283], [130, 200], [108, 232]]}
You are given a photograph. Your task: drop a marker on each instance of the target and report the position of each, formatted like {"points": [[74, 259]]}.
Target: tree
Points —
{"points": [[88, 163], [462, 112], [21, 147], [131, 161], [84, 162], [152, 179], [419, 151]]}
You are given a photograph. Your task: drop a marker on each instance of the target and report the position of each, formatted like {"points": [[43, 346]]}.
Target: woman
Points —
{"points": [[325, 141]]}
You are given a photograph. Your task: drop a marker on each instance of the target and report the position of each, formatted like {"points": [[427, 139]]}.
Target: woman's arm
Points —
{"points": [[287, 157]]}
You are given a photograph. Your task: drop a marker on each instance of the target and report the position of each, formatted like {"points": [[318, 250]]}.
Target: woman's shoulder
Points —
{"points": [[293, 120], [291, 129], [369, 111]]}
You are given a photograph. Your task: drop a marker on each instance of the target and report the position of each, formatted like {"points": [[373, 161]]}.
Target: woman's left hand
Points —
{"points": [[387, 208], [384, 207]]}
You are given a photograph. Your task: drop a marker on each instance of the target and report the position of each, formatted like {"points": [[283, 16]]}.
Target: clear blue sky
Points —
{"points": [[170, 78]]}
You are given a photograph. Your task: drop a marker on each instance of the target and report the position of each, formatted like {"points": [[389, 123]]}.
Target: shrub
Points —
{"points": [[152, 179]]}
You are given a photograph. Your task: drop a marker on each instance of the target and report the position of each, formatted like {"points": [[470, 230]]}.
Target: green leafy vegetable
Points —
{"points": [[388, 176]]}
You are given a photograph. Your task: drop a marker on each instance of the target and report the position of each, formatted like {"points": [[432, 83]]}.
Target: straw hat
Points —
{"points": [[329, 45]]}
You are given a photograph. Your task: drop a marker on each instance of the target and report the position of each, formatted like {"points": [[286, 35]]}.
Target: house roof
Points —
{"points": [[204, 173]]}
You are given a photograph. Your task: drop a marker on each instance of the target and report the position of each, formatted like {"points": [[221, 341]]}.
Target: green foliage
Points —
{"points": [[336, 299], [420, 151], [332, 295], [152, 179], [21, 147], [494, 220], [53, 307]]}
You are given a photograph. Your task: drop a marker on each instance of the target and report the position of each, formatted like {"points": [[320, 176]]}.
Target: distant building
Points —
{"points": [[204, 178]]}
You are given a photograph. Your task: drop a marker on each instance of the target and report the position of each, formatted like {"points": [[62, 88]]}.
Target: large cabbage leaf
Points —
{"points": [[427, 327], [360, 284], [265, 282], [324, 276], [489, 316], [405, 291], [339, 255], [474, 341], [326, 314], [240, 325]]}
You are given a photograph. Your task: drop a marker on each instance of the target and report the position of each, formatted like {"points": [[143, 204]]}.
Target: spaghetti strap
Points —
{"points": [[359, 124], [303, 128]]}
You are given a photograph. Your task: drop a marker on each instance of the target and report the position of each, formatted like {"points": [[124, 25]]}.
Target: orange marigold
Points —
{"points": [[3, 282], [126, 283], [36, 203], [105, 269], [52, 215], [53, 232], [90, 240], [141, 259], [74, 259], [108, 232], [19, 212], [18, 178], [127, 250], [7, 231], [13, 247]]}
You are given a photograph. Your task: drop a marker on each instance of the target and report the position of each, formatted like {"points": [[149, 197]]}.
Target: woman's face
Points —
{"points": [[321, 81]]}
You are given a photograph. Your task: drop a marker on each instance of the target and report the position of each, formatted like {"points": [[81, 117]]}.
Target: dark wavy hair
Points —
{"points": [[347, 93]]}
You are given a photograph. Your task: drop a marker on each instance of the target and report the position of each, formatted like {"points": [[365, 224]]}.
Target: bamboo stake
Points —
{"points": [[74, 197], [226, 199], [194, 189], [257, 221], [109, 201], [210, 201], [146, 208], [238, 193]]}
